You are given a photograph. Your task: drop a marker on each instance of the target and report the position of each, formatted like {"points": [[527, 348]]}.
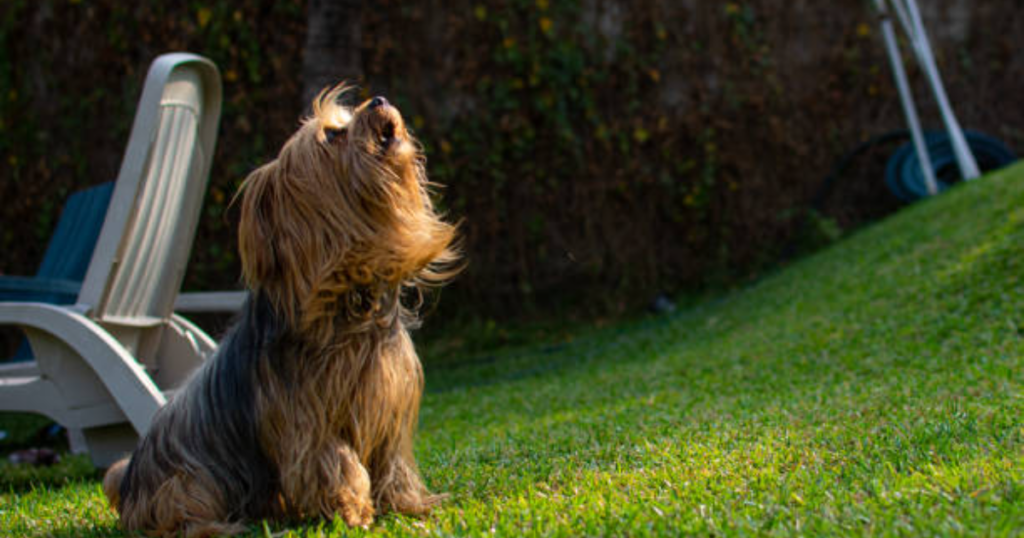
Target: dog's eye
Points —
{"points": [[330, 135]]}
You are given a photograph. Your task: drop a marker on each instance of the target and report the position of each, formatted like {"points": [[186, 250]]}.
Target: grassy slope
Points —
{"points": [[876, 388]]}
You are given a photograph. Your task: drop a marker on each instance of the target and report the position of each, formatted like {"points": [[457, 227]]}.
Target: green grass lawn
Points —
{"points": [[876, 388]]}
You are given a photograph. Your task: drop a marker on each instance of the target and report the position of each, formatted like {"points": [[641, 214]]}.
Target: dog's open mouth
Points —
{"points": [[384, 128], [387, 136]]}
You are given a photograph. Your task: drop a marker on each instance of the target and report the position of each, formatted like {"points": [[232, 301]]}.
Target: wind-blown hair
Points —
{"points": [[309, 406]]}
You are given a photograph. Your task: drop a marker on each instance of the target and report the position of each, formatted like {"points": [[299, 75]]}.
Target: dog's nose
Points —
{"points": [[378, 101]]}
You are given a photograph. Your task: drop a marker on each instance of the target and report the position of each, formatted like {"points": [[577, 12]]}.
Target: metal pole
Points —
{"points": [[964, 158], [907, 98]]}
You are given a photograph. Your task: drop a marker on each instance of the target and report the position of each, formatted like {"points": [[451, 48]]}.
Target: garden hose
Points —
{"points": [[903, 173]]}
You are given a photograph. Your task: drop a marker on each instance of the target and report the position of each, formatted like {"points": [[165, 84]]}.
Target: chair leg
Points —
{"points": [[76, 441], [108, 444]]}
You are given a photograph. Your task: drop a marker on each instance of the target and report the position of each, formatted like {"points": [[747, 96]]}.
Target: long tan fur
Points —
{"points": [[320, 374]]}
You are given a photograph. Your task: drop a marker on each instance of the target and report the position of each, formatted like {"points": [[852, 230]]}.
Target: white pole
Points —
{"points": [[907, 98], [964, 158]]}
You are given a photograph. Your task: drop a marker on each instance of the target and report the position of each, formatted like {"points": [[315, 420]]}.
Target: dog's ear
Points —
{"points": [[256, 227]]}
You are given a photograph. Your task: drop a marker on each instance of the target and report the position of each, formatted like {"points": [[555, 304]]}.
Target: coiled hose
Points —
{"points": [[903, 173]]}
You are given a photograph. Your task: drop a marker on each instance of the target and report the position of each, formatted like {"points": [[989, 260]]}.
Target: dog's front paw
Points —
{"points": [[353, 494], [359, 513]]}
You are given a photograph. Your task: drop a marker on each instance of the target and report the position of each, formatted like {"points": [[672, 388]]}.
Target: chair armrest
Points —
{"points": [[210, 301], [63, 330]]}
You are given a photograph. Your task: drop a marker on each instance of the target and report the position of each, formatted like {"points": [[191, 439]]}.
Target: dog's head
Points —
{"points": [[343, 214]]}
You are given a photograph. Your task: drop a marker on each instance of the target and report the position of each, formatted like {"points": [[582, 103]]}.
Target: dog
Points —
{"points": [[309, 406]]}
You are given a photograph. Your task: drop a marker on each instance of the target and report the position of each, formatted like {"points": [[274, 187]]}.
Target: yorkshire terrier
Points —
{"points": [[309, 406]]}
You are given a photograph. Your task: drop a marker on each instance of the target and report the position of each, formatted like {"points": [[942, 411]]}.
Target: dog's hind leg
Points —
{"points": [[182, 505], [112, 483]]}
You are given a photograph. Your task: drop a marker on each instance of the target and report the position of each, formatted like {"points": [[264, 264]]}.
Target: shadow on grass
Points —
{"points": [[528, 361], [80, 532], [259, 529], [28, 431], [19, 478]]}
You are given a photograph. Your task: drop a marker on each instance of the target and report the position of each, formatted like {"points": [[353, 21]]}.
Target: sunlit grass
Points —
{"points": [[876, 388]]}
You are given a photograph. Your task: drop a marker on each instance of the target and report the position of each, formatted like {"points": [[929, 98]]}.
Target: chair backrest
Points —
{"points": [[69, 250], [143, 249], [74, 239]]}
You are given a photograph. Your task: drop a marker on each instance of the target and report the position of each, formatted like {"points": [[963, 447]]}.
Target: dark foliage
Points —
{"points": [[599, 151]]}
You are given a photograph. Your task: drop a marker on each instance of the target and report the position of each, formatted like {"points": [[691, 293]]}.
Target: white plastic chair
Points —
{"points": [[104, 365]]}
